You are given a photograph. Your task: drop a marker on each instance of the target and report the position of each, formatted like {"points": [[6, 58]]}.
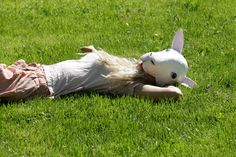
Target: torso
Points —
{"points": [[85, 74]]}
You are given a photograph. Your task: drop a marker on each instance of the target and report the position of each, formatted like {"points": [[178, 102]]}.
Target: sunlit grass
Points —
{"points": [[201, 123]]}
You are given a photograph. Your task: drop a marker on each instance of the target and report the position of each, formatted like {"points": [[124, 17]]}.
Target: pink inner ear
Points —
{"points": [[178, 41]]}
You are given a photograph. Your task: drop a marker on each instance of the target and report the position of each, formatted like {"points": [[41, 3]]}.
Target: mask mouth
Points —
{"points": [[161, 83], [185, 81]]}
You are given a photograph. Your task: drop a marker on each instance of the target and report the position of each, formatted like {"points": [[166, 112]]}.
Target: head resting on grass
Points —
{"points": [[168, 66], [163, 68]]}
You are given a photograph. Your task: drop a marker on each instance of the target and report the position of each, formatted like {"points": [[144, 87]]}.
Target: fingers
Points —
{"points": [[175, 90], [88, 49]]}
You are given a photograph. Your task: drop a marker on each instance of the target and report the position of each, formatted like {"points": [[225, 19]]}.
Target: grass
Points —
{"points": [[202, 123]]}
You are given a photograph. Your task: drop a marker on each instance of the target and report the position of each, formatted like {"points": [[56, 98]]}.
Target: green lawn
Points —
{"points": [[201, 123]]}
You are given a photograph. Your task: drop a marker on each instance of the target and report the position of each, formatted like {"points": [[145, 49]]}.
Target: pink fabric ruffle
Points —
{"points": [[21, 81]]}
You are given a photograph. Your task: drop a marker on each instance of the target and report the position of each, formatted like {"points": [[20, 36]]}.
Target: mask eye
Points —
{"points": [[152, 62], [173, 75]]}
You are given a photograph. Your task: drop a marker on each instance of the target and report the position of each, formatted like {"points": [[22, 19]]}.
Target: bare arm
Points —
{"points": [[156, 93]]}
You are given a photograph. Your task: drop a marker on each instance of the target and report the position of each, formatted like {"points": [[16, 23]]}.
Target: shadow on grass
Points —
{"points": [[5, 102], [115, 97]]}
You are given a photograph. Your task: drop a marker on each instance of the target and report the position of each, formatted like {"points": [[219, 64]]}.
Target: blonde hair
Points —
{"points": [[123, 71]]}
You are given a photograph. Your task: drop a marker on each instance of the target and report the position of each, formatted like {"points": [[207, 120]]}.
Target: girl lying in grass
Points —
{"points": [[150, 77]]}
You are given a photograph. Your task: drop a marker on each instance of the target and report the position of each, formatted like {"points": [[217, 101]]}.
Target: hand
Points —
{"points": [[175, 90]]}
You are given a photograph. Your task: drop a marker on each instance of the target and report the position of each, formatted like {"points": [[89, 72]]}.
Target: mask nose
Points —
{"points": [[146, 56]]}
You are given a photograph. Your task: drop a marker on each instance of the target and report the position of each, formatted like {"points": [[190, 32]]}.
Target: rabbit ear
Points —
{"points": [[188, 82], [178, 41]]}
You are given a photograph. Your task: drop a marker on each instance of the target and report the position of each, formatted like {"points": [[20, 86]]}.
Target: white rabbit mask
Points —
{"points": [[168, 66]]}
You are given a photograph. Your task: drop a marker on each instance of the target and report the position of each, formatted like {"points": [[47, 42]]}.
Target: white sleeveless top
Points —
{"points": [[85, 74]]}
